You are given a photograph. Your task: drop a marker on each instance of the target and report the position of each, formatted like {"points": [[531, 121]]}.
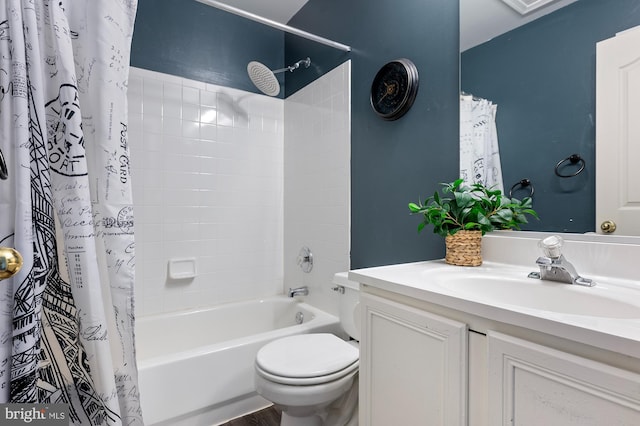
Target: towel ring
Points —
{"points": [[572, 159], [4, 173], [522, 183]]}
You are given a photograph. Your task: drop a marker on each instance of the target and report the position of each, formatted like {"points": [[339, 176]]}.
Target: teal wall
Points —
{"points": [[542, 76], [393, 162], [199, 42]]}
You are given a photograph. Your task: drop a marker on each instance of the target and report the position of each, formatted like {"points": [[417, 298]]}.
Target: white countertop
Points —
{"points": [[620, 335]]}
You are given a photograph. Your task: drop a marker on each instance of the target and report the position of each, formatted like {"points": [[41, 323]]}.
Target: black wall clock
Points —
{"points": [[394, 89]]}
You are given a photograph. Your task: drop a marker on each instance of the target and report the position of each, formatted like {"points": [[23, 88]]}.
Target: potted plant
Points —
{"points": [[464, 213]]}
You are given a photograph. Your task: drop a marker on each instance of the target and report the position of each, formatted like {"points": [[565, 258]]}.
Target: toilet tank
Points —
{"points": [[348, 304]]}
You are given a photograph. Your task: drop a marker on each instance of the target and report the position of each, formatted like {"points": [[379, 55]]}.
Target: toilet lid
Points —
{"points": [[306, 355]]}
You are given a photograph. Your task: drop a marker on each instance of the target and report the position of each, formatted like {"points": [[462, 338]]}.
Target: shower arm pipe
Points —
{"points": [[292, 68], [277, 25]]}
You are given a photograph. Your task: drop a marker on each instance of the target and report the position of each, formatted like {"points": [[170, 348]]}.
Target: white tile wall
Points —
{"points": [[317, 158], [216, 176], [207, 166]]}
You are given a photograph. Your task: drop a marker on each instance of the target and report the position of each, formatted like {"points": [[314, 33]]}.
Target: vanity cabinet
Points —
{"points": [[413, 366], [424, 364]]}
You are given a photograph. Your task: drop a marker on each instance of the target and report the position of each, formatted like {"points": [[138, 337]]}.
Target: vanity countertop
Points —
{"points": [[430, 281]]}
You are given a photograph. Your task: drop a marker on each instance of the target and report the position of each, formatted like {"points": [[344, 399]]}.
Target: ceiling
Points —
{"points": [[276, 10], [480, 20]]}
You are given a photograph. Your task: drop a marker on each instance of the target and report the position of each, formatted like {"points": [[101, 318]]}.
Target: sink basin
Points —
{"points": [[515, 288]]}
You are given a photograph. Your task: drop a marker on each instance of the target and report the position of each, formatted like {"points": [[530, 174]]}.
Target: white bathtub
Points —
{"points": [[196, 367]]}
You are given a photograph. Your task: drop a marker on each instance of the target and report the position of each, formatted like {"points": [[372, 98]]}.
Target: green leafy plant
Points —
{"points": [[473, 208]]}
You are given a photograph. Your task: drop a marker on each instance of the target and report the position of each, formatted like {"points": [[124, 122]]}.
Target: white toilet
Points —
{"points": [[313, 378]]}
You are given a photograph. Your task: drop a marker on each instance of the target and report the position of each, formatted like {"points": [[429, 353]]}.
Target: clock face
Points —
{"points": [[394, 89]]}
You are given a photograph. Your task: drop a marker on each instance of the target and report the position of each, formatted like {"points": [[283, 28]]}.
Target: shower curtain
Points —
{"points": [[479, 152], [66, 319]]}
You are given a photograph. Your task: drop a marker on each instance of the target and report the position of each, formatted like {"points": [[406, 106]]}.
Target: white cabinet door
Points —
{"points": [[618, 132], [533, 385], [413, 366]]}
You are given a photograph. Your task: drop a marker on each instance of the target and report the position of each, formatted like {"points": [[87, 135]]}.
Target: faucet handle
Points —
{"points": [[552, 246], [305, 259]]}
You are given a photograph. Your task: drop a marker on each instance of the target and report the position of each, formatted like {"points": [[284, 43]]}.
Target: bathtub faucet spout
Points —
{"points": [[300, 291]]}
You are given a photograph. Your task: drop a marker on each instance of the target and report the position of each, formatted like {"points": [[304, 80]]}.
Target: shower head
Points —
{"points": [[265, 79]]}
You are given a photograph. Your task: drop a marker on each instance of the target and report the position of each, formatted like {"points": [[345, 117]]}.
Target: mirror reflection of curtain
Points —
{"points": [[66, 318], [479, 152]]}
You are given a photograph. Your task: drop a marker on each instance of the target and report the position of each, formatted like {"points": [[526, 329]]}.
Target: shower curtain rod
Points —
{"points": [[277, 25]]}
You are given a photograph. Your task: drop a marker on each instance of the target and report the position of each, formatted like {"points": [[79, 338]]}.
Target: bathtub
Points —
{"points": [[196, 367]]}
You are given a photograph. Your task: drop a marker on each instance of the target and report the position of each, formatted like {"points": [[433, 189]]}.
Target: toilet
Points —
{"points": [[313, 377]]}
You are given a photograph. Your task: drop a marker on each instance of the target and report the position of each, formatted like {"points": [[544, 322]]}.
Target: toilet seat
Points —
{"points": [[308, 381], [307, 359]]}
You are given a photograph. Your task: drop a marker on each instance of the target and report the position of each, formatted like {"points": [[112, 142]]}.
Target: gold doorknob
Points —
{"points": [[10, 262], [608, 226]]}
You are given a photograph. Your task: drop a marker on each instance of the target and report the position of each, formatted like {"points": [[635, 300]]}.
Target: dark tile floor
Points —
{"points": [[269, 416]]}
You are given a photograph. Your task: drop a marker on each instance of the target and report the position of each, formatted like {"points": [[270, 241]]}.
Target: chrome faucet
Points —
{"points": [[554, 267], [300, 291]]}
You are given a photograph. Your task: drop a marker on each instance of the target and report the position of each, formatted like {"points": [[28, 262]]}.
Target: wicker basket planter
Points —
{"points": [[464, 248]]}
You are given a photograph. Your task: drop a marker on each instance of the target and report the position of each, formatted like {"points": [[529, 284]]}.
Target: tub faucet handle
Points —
{"points": [[305, 259]]}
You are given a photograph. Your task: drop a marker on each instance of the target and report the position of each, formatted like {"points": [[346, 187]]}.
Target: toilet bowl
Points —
{"points": [[313, 378]]}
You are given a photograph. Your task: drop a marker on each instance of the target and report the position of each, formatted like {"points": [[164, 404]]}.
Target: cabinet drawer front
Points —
{"points": [[532, 385]]}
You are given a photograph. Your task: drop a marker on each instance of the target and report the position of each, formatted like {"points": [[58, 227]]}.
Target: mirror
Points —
{"points": [[542, 77]]}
